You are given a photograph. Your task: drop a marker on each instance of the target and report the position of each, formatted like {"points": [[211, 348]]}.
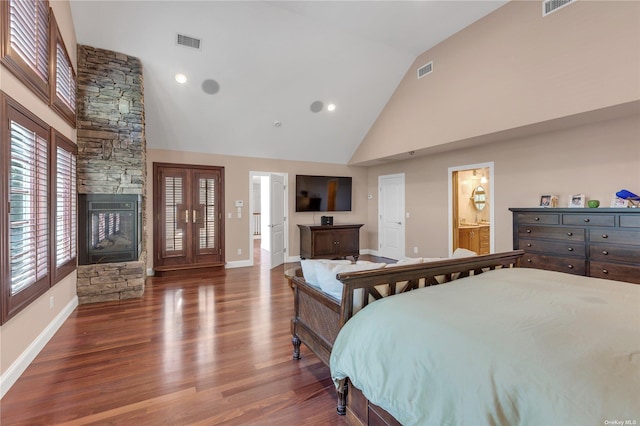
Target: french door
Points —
{"points": [[188, 216]]}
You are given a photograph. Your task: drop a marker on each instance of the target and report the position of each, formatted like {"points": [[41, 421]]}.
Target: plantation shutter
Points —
{"points": [[28, 220], [66, 210], [65, 81], [29, 34]]}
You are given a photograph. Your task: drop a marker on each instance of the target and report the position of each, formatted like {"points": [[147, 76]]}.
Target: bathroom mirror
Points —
{"points": [[479, 197]]}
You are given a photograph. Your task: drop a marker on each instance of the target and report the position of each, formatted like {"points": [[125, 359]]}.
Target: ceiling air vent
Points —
{"points": [[425, 69], [187, 41], [549, 6]]}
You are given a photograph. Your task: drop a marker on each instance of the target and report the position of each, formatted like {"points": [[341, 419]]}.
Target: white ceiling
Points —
{"points": [[272, 60]]}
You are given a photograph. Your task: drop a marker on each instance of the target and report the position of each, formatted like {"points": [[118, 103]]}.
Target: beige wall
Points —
{"points": [[22, 330], [511, 70], [596, 159], [238, 186]]}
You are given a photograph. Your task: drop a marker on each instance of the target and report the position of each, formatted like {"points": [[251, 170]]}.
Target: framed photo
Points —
{"points": [[548, 200], [576, 200], [619, 202]]}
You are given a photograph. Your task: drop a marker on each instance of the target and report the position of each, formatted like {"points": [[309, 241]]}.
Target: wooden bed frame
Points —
{"points": [[319, 317]]}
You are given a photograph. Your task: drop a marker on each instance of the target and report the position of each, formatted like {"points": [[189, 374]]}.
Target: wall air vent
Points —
{"points": [[549, 6], [187, 41], [425, 69]]}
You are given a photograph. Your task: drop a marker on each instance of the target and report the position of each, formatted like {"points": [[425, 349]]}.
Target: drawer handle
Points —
{"points": [[605, 252], [587, 220], [604, 271], [528, 231], [569, 233], [570, 248], [529, 260], [536, 218], [570, 266], [528, 244], [605, 236]]}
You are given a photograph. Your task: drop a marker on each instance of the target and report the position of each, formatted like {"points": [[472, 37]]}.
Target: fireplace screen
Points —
{"points": [[111, 229]]}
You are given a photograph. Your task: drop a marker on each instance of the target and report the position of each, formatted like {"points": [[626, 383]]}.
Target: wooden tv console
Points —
{"points": [[329, 241]]}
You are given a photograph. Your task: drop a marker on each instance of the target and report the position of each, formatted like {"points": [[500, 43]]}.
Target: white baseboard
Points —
{"points": [[16, 369], [237, 264]]}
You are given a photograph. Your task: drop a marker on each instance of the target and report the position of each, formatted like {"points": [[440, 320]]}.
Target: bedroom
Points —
{"points": [[590, 146]]}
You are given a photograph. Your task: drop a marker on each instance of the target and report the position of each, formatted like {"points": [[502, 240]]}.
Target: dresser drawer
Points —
{"points": [[616, 272], [589, 220], [630, 221], [614, 237], [541, 218], [563, 248], [551, 233], [615, 253], [575, 266]]}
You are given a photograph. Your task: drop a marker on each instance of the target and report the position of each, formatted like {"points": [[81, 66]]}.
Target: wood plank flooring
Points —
{"points": [[211, 350]]}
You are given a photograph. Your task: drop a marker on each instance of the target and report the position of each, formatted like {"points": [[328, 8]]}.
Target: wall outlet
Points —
{"points": [[230, 215], [51, 302], [415, 250], [239, 251]]}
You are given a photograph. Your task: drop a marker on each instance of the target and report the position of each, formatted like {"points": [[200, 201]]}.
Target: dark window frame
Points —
{"points": [[59, 272], [11, 110], [57, 103], [12, 60]]}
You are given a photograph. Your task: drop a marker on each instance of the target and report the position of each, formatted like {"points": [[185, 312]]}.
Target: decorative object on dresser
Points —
{"points": [[602, 243], [330, 241], [593, 204]]}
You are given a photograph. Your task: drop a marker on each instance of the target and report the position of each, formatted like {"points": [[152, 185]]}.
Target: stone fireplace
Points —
{"points": [[111, 176]]}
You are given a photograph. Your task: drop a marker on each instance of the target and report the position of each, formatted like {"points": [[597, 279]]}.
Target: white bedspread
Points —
{"points": [[508, 347]]}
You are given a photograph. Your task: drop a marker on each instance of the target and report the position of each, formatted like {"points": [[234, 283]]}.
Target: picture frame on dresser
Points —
{"points": [[577, 200], [619, 202], [548, 200]]}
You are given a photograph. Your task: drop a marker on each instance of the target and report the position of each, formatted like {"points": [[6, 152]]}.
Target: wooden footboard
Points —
{"points": [[319, 317]]}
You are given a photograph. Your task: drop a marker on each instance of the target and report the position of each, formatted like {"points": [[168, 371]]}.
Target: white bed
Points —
{"points": [[511, 346]]}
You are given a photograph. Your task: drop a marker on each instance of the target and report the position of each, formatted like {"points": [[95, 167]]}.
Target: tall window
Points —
{"points": [[25, 50], [63, 79], [66, 216], [25, 141]]}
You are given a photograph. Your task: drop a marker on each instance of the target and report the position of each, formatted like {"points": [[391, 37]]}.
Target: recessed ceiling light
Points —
{"points": [[331, 107], [181, 78]]}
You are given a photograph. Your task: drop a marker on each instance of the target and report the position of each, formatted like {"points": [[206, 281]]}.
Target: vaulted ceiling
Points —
{"points": [[266, 71]]}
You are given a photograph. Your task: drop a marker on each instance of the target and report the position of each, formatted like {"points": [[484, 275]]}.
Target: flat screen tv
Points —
{"points": [[323, 193]]}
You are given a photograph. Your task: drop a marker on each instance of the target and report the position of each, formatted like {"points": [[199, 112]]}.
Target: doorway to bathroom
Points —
{"points": [[471, 215]]}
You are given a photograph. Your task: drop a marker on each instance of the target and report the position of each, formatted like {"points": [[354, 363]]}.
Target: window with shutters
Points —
{"points": [[63, 79], [26, 221], [25, 46], [66, 217]]}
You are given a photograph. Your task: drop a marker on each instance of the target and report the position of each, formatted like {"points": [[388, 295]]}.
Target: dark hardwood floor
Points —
{"points": [[207, 350]]}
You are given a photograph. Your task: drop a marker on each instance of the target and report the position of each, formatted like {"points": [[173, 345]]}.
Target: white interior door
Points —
{"points": [[391, 216], [276, 227]]}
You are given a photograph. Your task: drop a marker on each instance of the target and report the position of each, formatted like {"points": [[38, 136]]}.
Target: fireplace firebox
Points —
{"points": [[109, 228]]}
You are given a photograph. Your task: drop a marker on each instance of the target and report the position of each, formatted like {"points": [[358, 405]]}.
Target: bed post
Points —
{"points": [[296, 346], [342, 396]]}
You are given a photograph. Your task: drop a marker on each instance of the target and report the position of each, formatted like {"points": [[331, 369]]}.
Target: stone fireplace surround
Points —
{"points": [[111, 158]]}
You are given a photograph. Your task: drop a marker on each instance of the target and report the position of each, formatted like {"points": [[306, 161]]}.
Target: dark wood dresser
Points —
{"points": [[602, 243], [329, 241]]}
